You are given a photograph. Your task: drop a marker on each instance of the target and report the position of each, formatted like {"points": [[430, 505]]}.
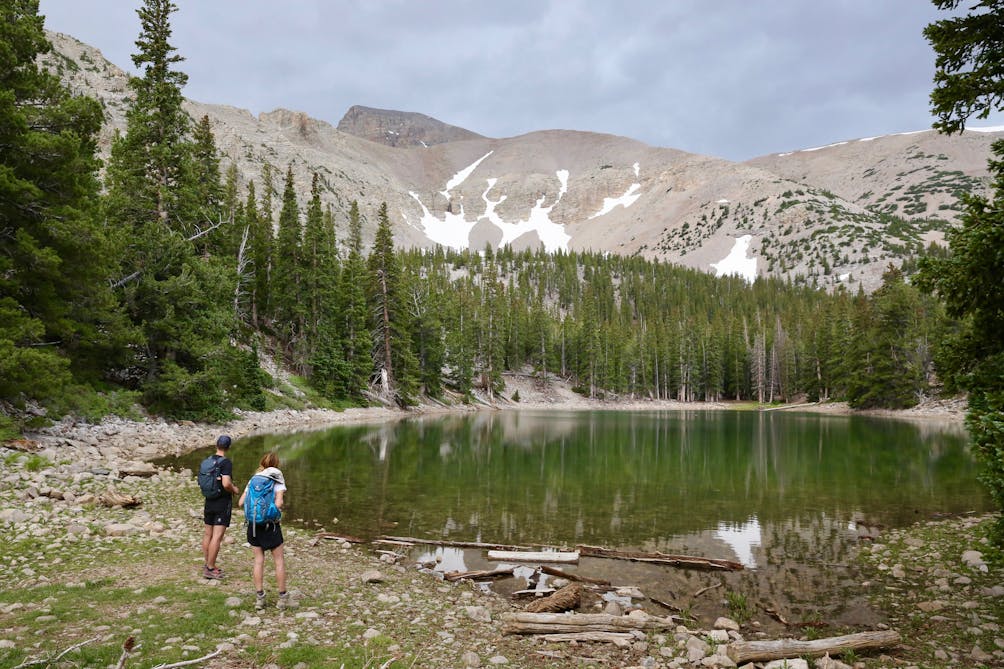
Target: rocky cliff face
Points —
{"points": [[395, 128], [829, 216]]}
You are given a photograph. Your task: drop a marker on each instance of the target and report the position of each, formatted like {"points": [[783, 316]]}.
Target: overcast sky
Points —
{"points": [[728, 78]]}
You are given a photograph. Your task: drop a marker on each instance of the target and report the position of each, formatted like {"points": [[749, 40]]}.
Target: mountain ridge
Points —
{"points": [[826, 216]]}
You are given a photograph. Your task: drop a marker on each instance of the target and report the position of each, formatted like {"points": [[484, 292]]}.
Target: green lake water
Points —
{"points": [[781, 492]]}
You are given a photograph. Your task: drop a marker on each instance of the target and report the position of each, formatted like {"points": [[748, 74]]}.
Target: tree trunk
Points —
{"points": [[760, 651], [552, 623]]}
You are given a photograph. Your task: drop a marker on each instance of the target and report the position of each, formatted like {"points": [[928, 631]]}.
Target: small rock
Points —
{"points": [[498, 659], [719, 636], [718, 661], [796, 663], [697, 649], [929, 607], [371, 576], [829, 663], [370, 634], [120, 529], [6, 643], [613, 609], [232, 602], [470, 659], [478, 613], [726, 624]]}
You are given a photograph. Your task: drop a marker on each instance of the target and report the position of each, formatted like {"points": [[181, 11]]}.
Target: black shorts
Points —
{"points": [[266, 535], [218, 511]]}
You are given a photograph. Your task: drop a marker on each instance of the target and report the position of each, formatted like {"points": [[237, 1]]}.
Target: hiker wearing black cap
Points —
{"points": [[215, 479]]}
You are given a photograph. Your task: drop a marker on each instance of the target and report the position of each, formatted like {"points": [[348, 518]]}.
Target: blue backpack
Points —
{"points": [[259, 503]]}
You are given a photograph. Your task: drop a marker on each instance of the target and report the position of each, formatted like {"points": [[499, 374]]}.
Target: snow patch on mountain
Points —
{"points": [[461, 176], [736, 261], [625, 200], [454, 229]]}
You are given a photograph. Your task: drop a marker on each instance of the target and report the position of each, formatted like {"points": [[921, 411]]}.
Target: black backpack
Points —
{"points": [[209, 477]]}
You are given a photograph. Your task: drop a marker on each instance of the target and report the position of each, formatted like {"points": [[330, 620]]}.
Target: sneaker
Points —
{"points": [[284, 602], [259, 601]]}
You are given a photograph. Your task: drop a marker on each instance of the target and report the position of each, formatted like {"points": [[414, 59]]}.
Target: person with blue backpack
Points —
{"points": [[262, 503], [216, 481]]}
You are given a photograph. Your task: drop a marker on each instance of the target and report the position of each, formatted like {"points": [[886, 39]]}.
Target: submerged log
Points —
{"points": [[553, 623], [685, 561], [534, 556], [554, 571], [478, 575], [336, 537], [741, 652], [565, 599]]}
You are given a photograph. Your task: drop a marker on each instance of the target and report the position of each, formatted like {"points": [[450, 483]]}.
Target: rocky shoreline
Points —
{"points": [[71, 545]]}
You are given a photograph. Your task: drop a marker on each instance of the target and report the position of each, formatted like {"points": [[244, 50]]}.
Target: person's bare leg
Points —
{"points": [[215, 541], [207, 535], [280, 568], [259, 569]]}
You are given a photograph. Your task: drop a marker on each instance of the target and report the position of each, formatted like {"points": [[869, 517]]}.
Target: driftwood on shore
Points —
{"points": [[555, 623], [478, 575], [565, 599], [685, 561], [114, 498], [741, 652]]}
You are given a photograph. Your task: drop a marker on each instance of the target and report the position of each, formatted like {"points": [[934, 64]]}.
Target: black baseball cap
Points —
{"points": [[223, 441]]}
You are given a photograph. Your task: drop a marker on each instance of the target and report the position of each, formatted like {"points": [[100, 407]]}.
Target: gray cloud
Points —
{"points": [[729, 78]]}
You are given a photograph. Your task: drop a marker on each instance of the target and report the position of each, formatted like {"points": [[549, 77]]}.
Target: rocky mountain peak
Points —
{"points": [[400, 129]]}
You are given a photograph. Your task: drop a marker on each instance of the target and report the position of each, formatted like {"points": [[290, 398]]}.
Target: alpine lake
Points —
{"points": [[789, 495]]}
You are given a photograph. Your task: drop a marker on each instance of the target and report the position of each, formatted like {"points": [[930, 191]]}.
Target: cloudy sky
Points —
{"points": [[728, 78]]}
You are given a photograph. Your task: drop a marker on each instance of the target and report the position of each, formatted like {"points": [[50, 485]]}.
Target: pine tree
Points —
{"points": [[288, 310], [205, 202], [393, 357], [354, 323], [56, 311], [180, 301]]}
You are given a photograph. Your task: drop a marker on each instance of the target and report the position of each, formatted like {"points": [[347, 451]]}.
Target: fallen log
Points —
{"points": [[565, 599], [478, 575], [619, 639], [534, 556], [741, 652], [685, 561], [554, 571], [554, 623], [455, 544]]}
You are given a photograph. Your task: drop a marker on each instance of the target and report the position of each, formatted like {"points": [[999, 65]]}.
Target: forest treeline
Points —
{"points": [[163, 280]]}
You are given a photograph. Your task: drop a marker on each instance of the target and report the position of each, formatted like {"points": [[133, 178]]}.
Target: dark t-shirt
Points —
{"points": [[226, 500]]}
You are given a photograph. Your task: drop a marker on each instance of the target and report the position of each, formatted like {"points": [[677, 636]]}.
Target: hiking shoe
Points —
{"points": [[284, 601], [259, 601]]}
